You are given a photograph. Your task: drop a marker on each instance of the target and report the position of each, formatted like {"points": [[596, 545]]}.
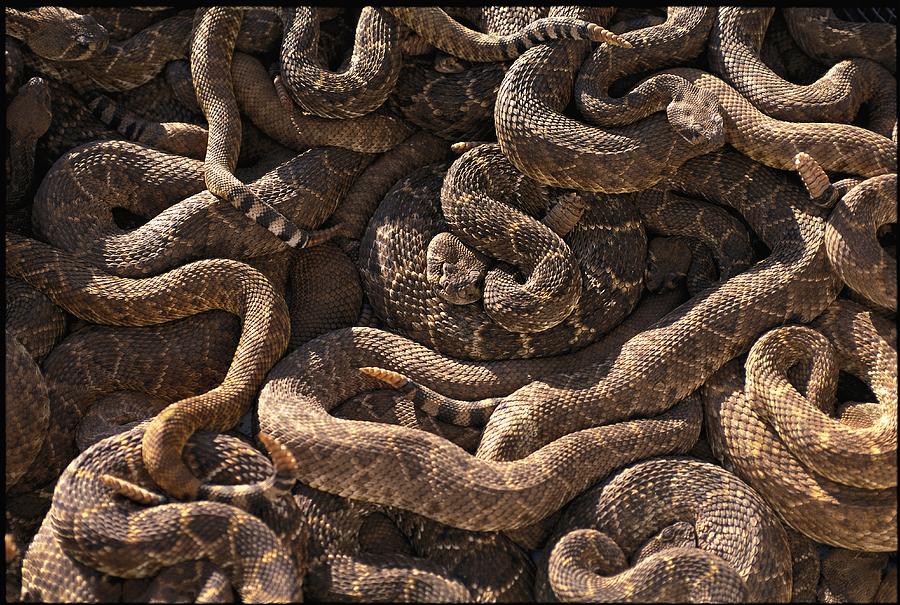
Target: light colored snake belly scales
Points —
{"points": [[451, 304]]}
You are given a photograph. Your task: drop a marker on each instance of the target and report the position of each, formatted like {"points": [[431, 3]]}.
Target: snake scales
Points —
{"points": [[618, 260]]}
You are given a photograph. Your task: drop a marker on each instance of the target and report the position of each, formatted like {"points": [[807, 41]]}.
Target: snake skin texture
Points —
{"points": [[451, 304], [211, 67], [821, 33], [259, 563], [56, 33], [737, 33], [393, 242], [812, 496], [356, 90], [749, 565]]}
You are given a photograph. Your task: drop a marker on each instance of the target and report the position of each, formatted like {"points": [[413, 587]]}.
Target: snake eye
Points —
{"points": [[83, 42]]}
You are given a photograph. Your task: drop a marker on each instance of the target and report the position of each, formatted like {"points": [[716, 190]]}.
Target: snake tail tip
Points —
{"points": [[282, 457], [132, 491], [394, 379], [598, 33], [811, 173]]}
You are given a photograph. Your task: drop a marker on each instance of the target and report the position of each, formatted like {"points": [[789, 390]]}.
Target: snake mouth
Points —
{"points": [[459, 294], [38, 89], [93, 40], [711, 138], [96, 38], [695, 138], [85, 46]]}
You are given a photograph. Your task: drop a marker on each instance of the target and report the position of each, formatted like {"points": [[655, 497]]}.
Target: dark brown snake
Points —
{"points": [[179, 230], [28, 117], [88, 387], [33, 326], [821, 34], [394, 256]]}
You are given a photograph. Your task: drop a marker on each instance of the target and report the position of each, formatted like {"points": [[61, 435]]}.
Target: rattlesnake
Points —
{"points": [[370, 187], [107, 494], [257, 99], [444, 32], [547, 145], [122, 23], [212, 45], [550, 147], [126, 64], [168, 362], [87, 380], [56, 33], [393, 266], [850, 504], [663, 373], [193, 228], [854, 577], [457, 106], [355, 90], [681, 37], [94, 296], [837, 147], [332, 378], [471, 191], [27, 119], [33, 326], [822, 34], [705, 227], [835, 97], [316, 307], [342, 566], [222, 152], [852, 247], [739, 551], [553, 425], [793, 281], [780, 53]]}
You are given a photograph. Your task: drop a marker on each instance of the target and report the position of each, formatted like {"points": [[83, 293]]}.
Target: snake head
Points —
{"points": [[29, 115], [60, 34], [448, 64], [668, 262], [455, 271], [695, 115]]}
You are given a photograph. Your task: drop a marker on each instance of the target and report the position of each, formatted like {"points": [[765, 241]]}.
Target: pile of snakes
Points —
{"points": [[457, 304]]}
